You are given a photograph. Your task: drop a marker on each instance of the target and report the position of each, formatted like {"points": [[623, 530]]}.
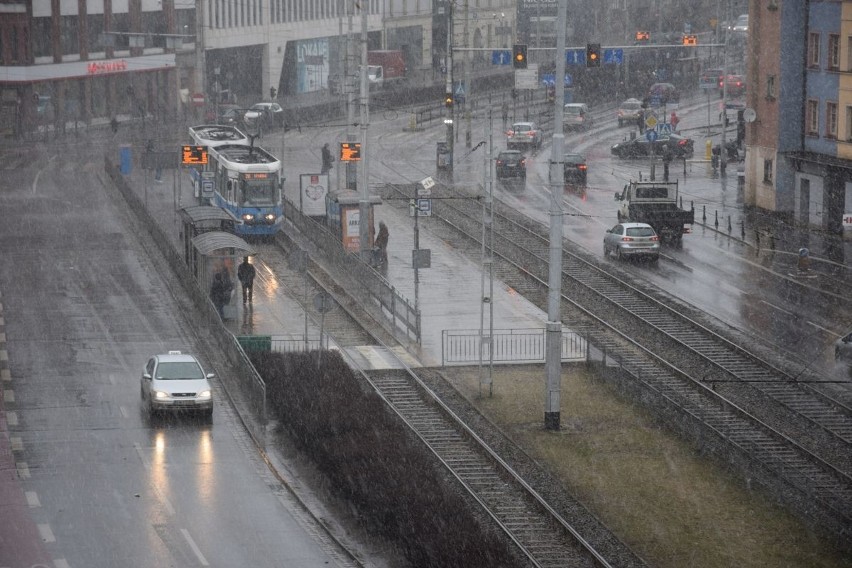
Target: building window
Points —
{"points": [[42, 37], [69, 39], [812, 118], [813, 50], [834, 52], [849, 123], [767, 171], [849, 53], [831, 119], [770, 87]]}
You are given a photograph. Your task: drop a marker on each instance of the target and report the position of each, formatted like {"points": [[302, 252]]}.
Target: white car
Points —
{"points": [[576, 115], [524, 135], [176, 382], [267, 115], [632, 239], [741, 25]]}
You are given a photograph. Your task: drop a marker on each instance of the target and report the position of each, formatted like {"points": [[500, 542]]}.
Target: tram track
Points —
{"points": [[790, 427], [539, 531]]}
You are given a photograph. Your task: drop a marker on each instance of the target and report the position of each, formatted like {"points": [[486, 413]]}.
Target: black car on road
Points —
{"points": [[511, 163], [575, 169], [677, 146]]}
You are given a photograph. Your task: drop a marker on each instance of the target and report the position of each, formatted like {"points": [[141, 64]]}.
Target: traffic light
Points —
{"points": [[448, 100], [690, 40], [593, 55], [519, 56], [643, 36]]}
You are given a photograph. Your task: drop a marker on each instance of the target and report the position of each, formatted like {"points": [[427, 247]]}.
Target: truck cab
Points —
{"points": [[655, 203]]}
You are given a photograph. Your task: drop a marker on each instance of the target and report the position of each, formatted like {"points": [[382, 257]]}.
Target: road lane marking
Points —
{"points": [[123, 411], [194, 547], [32, 499], [11, 418], [169, 509], [4, 356], [5, 375], [16, 443], [9, 395], [777, 308], [61, 563], [828, 331], [46, 533]]}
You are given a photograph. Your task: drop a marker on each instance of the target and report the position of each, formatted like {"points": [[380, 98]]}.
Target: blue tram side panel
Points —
{"points": [[247, 180]]}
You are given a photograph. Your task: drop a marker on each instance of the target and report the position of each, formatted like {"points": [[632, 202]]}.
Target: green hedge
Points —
{"points": [[374, 462]]}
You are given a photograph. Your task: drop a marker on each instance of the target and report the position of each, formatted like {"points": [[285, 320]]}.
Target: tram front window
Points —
{"points": [[260, 193]]}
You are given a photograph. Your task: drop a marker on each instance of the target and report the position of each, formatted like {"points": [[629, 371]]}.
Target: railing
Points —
{"points": [[463, 347], [393, 304]]}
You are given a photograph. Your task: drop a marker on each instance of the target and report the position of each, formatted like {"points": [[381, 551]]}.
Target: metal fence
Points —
{"points": [[391, 301], [463, 347]]}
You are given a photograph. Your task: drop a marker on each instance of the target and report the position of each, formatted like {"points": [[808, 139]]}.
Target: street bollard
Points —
{"points": [[742, 228], [704, 214], [412, 122], [804, 263], [708, 149], [716, 223], [729, 223]]}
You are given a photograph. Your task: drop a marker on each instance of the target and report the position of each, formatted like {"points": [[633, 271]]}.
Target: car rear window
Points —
{"points": [[522, 127], [573, 110], [640, 232], [176, 371], [631, 106]]}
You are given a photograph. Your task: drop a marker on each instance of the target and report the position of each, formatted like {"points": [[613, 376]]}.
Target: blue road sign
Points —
{"points": [[613, 56], [459, 90], [501, 57], [548, 79], [664, 128], [575, 57], [655, 101], [651, 135]]}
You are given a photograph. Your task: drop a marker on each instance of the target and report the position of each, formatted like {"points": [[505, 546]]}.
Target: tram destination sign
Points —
{"points": [[193, 155]]}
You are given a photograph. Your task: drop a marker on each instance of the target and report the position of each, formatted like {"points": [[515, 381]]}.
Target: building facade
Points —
{"points": [[799, 147]]}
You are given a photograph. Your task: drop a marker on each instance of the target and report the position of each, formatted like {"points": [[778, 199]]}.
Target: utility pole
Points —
{"points": [[466, 79], [364, 202], [200, 61], [485, 378], [723, 154], [553, 338], [349, 86], [449, 92]]}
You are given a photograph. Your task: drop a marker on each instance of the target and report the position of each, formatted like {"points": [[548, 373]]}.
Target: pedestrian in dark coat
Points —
{"points": [[220, 290], [327, 158], [246, 274], [382, 241]]}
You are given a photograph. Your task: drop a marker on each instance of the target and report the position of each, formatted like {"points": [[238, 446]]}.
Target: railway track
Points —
{"points": [[793, 429], [538, 530]]}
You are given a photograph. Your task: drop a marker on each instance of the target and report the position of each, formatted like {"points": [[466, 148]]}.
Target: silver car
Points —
{"points": [[524, 135], [632, 239], [175, 382], [266, 115], [576, 115]]}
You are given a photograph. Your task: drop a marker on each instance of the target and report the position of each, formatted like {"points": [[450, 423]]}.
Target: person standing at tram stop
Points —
{"points": [[382, 242], [220, 290], [327, 158], [674, 120], [246, 274]]}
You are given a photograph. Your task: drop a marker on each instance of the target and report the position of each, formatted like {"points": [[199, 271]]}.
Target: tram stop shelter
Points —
{"points": [[343, 212], [198, 219], [217, 250]]}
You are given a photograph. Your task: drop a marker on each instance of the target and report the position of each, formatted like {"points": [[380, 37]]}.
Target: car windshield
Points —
{"points": [[259, 193], [179, 370], [640, 232]]}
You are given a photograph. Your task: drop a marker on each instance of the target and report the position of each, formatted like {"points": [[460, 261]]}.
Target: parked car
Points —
{"points": [[633, 240], [679, 146], [664, 92], [524, 135], [175, 381], [511, 163], [629, 111], [576, 115], [230, 115], [575, 169], [266, 115], [843, 349], [735, 84]]}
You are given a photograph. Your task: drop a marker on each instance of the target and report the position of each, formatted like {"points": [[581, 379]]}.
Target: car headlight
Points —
{"points": [[205, 394], [161, 395]]}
